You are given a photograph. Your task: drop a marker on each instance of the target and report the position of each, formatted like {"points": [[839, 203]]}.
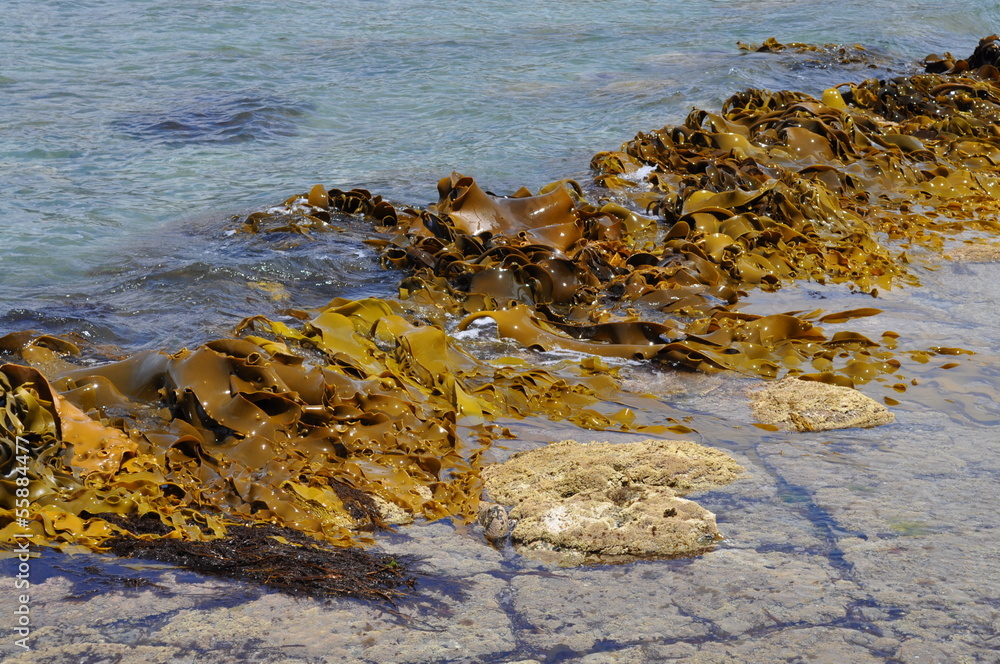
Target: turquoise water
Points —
{"points": [[129, 131]]}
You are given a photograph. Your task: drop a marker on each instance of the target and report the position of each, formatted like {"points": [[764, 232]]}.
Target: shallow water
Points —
{"points": [[121, 124], [130, 135]]}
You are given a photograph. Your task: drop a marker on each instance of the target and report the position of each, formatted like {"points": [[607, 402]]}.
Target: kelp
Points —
{"points": [[36, 463], [332, 427], [556, 272], [339, 421], [987, 53], [819, 54], [776, 187]]}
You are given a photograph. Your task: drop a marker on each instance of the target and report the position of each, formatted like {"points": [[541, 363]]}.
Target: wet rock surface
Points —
{"points": [[833, 552], [811, 406], [974, 253]]}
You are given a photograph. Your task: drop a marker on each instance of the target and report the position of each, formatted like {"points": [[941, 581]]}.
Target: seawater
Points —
{"points": [[130, 131]]}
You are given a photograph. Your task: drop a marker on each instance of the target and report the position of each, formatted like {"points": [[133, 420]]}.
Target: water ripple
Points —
{"points": [[216, 118]]}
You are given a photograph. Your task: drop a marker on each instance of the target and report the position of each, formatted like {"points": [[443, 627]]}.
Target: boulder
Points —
{"points": [[807, 405], [612, 498], [648, 521]]}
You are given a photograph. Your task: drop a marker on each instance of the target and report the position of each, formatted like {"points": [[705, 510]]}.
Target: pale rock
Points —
{"points": [[612, 498], [807, 405], [974, 253]]}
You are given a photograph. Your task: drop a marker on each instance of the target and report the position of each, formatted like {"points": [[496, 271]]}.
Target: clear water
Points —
{"points": [[128, 131]]}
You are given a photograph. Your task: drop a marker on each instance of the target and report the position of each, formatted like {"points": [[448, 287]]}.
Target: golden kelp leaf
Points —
{"points": [[54, 527], [33, 393], [518, 323], [96, 447], [18, 341], [324, 502], [842, 316], [942, 350], [318, 196], [845, 338], [474, 211]]}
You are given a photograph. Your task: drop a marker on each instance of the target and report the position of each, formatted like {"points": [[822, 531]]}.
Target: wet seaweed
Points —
{"points": [[278, 558], [777, 187], [356, 419], [819, 55]]}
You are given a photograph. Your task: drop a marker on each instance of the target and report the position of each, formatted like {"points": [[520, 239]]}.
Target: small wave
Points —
{"points": [[216, 118]]}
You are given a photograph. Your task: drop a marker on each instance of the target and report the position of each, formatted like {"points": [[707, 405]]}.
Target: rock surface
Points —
{"points": [[612, 498], [974, 253], [493, 519], [807, 405]]}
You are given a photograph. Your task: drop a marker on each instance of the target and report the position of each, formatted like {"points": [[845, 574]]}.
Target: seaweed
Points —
{"points": [[776, 187], [278, 558], [354, 420]]}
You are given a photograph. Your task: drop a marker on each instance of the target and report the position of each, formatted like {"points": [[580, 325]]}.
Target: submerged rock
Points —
{"points": [[612, 499], [974, 253], [807, 405]]}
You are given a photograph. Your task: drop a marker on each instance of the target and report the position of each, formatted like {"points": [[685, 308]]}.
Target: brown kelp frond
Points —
{"points": [[910, 159], [555, 272], [986, 54], [353, 420], [818, 55], [774, 188]]}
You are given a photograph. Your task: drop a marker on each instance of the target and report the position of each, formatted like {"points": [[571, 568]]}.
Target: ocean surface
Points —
{"points": [[132, 133], [129, 132]]}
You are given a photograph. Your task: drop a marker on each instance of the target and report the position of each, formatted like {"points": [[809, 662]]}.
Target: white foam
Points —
{"points": [[639, 175], [475, 329]]}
